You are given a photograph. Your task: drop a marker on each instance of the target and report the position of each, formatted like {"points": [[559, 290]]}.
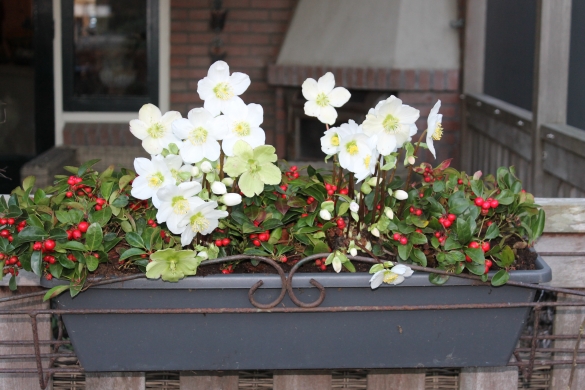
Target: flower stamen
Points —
{"points": [[180, 205], [335, 140], [155, 180], [390, 123], [242, 129], [156, 130], [223, 91], [198, 136], [352, 148], [389, 277], [322, 100], [438, 133], [198, 223]]}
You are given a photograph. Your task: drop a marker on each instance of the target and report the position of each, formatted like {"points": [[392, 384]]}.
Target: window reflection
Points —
{"points": [[110, 48]]}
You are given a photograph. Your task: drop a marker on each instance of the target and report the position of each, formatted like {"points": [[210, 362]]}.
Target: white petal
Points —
{"points": [[399, 279], [138, 128], [187, 236], [255, 114], [431, 146], [240, 82], [408, 114], [163, 214], [311, 108], [152, 145], [143, 166], [192, 153], [399, 269], [326, 83], [182, 127], [228, 145], [310, 89], [141, 190], [386, 143], [256, 138], [219, 71], [190, 189], [338, 97], [327, 115], [377, 279], [234, 105], [149, 113], [219, 127], [336, 263], [213, 105], [205, 88], [199, 116]]}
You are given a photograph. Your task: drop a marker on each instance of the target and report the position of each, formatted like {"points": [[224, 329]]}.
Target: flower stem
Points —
{"points": [[221, 157], [411, 165], [377, 188]]}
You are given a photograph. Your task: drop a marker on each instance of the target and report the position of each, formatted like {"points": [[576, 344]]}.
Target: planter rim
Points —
{"points": [[542, 274]]}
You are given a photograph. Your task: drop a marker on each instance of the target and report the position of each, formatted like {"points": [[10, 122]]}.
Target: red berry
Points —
{"points": [[37, 246], [323, 267], [403, 240], [447, 223], [10, 238], [344, 191], [3, 221], [397, 236], [263, 237], [225, 271], [10, 221], [487, 269], [486, 205], [218, 242], [421, 195], [334, 188], [489, 223], [437, 234], [71, 181], [80, 193], [293, 168], [150, 221], [474, 244], [418, 212], [283, 196], [459, 181], [488, 263], [468, 259], [485, 211], [327, 186], [318, 262], [76, 234], [330, 192], [49, 245], [83, 226], [98, 207], [13, 260], [418, 231], [310, 199], [256, 243], [485, 247], [304, 215], [48, 276], [78, 180], [411, 209], [225, 242], [442, 239], [451, 217], [96, 255], [427, 179], [283, 259], [69, 194], [441, 220], [478, 201], [494, 203], [100, 201], [19, 228], [252, 236], [47, 258]]}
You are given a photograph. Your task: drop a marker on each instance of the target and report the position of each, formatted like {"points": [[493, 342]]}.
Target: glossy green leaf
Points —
{"points": [[500, 278], [94, 236]]}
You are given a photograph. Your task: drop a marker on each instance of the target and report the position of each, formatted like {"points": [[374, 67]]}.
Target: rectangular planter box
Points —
{"points": [[338, 340]]}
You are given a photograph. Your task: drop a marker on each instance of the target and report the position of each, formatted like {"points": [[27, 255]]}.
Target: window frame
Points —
{"points": [[109, 103]]}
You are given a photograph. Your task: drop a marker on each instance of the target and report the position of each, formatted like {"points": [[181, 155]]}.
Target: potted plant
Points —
{"points": [[234, 232]]}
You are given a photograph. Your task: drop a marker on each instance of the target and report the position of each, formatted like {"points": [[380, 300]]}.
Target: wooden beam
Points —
{"points": [[396, 379], [473, 66], [115, 380], [306, 380], [488, 378], [551, 75], [204, 380]]}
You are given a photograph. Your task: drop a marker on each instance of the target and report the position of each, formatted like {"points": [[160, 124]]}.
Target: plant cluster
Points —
{"points": [[212, 188]]}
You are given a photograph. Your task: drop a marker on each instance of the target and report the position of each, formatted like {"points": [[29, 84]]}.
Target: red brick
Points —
{"points": [[284, 16], [249, 14], [396, 79], [183, 97], [268, 27], [452, 80], [189, 26], [276, 38], [238, 50], [409, 79], [201, 37], [179, 14], [185, 73], [267, 51], [449, 97], [231, 4], [189, 49], [200, 14], [424, 80], [182, 3], [178, 38], [438, 80], [236, 26], [178, 61], [271, 3], [199, 62], [178, 85], [414, 98], [249, 39]]}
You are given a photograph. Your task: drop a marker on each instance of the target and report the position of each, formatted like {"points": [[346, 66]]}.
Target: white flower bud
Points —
{"points": [[374, 181], [206, 167], [218, 188], [389, 213], [231, 199], [203, 255], [400, 194], [353, 206], [228, 181], [411, 160], [353, 252], [325, 215], [477, 175], [195, 171], [375, 232], [368, 245]]}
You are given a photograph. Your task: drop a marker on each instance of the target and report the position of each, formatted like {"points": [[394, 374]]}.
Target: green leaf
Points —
{"points": [[65, 262], [135, 240], [492, 232], [106, 189], [268, 246], [33, 220], [418, 257], [28, 183], [120, 202], [450, 244], [85, 166], [507, 256], [63, 217], [58, 234], [13, 212], [36, 263], [40, 197], [417, 238], [477, 187], [404, 251], [94, 236], [438, 279], [454, 257], [12, 283], [124, 180], [476, 269], [91, 262], [32, 233], [56, 270], [270, 224], [102, 216], [131, 252], [73, 246], [476, 255], [55, 291], [463, 229], [538, 226], [506, 197], [439, 186], [500, 278], [275, 236]]}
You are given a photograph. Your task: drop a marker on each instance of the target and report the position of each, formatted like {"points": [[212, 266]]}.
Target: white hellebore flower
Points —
{"points": [[400, 194], [322, 97], [175, 203], [195, 171], [357, 154], [389, 213], [175, 164], [154, 129], [325, 215], [219, 90], [434, 127], [231, 199], [392, 122], [152, 176], [218, 188], [243, 123], [203, 219], [353, 206], [330, 141], [393, 276], [200, 132], [206, 167]]}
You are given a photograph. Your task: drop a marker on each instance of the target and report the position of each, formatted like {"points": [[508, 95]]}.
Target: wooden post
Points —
{"points": [[306, 380], [396, 379], [115, 380], [488, 378], [473, 66], [19, 328], [203, 380], [551, 76]]}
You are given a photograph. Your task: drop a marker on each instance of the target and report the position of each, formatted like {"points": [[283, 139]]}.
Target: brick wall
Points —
{"points": [[253, 33]]}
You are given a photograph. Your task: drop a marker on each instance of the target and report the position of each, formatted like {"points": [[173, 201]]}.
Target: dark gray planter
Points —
{"points": [[309, 340]]}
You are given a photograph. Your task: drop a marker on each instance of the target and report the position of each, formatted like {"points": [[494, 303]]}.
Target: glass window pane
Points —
{"points": [[110, 48]]}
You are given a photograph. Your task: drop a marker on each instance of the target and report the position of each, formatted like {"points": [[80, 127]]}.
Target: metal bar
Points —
{"points": [[41, 342], [552, 337], [43, 355], [533, 346], [35, 331], [551, 350]]}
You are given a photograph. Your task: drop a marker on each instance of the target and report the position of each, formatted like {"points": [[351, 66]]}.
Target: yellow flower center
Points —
{"points": [[173, 265], [389, 277], [367, 161], [223, 91], [322, 100], [390, 123], [176, 176], [180, 205], [242, 129], [156, 130], [438, 133], [199, 223], [155, 180], [198, 136], [352, 148], [335, 140]]}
